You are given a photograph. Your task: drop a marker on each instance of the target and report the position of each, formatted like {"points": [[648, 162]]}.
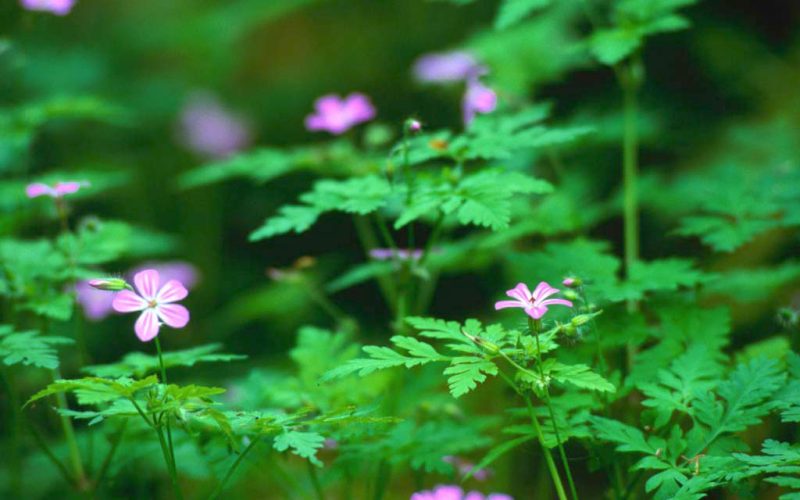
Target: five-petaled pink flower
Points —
{"points": [[535, 304], [155, 303], [57, 190], [57, 7], [336, 115]]}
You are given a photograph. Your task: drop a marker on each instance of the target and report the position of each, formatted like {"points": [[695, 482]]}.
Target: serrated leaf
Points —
{"points": [[303, 444]]}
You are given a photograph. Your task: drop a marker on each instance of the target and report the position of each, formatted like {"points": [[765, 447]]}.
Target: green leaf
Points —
{"points": [[464, 374], [261, 165], [359, 274], [610, 46], [513, 11], [290, 218], [29, 348], [628, 439], [580, 376], [303, 444], [137, 364], [381, 358], [658, 275]]}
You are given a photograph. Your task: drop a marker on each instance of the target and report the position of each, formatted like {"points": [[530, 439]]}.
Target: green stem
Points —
{"points": [[312, 474], [221, 486], [116, 440], [535, 326], [382, 479], [15, 418], [173, 464], [69, 435], [630, 82], [366, 234], [51, 456], [548, 457]]}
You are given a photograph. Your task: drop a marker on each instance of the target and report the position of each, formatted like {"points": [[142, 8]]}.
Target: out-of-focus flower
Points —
{"points": [[96, 303], [572, 282], [177, 270], [399, 254], [447, 67], [449, 492], [210, 129], [336, 115], [465, 467], [413, 125], [57, 7], [57, 190], [478, 99], [156, 304], [535, 304]]}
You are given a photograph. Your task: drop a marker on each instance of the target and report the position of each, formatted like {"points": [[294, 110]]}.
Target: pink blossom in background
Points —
{"points": [[478, 99], [338, 115], [535, 304], [177, 270], [465, 467], [399, 254], [447, 67], [57, 7], [156, 303], [57, 190], [210, 129], [96, 303], [449, 492]]}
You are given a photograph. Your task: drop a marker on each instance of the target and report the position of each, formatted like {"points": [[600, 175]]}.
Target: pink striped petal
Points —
{"points": [[520, 292], [127, 301], [543, 290], [174, 315], [561, 302], [70, 187], [503, 304], [147, 325], [147, 283], [172, 291], [39, 189], [536, 312]]}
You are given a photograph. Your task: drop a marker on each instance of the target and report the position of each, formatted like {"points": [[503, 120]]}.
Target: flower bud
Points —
{"points": [[109, 284], [581, 319], [570, 295], [413, 126], [572, 282]]}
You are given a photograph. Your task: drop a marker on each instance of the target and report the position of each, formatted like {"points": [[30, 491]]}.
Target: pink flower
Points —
{"points": [[210, 129], [478, 99], [157, 304], [177, 270], [57, 7], [448, 492], [57, 190], [446, 67], [337, 116], [399, 254], [96, 303], [535, 304]]}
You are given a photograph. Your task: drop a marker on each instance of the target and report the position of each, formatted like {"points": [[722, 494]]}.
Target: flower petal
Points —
{"points": [[174, 315], [537, 311], [172, 291], [520, 292], [147, 283], [70, 187], [503, 304], [38, 189], [562, 302], [147, 325], [127, 301]]}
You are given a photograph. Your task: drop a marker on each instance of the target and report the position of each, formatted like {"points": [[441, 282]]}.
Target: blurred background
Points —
{"points": [[724, 91]]}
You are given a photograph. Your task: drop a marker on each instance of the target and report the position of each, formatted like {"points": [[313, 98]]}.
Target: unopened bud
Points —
{"points": [[109, 284], [572, 282], [570, 295], [413, 125], [581, 319], [489, 346]]}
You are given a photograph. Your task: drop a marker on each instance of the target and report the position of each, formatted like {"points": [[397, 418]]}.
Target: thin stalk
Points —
{"points": [[69, 435], [312, 474], [369, 241], [173, 464], [221, 486], [168, 459], [385, 233], [548, 457], [116, 440], [51, 456], [630, 81], [14, 427], [382, 479], [535, 327]]}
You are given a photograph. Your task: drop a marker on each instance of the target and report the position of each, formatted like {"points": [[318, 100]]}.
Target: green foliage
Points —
{"points": [[29, 348], [780, 463], [137, 364], [513, 11]]}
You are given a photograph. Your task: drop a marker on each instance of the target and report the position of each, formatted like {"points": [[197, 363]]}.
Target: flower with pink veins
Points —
{"points": [[337, 115], [57, 190], [535, 304], [156, 304], [450, 492], [57, 7]]}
